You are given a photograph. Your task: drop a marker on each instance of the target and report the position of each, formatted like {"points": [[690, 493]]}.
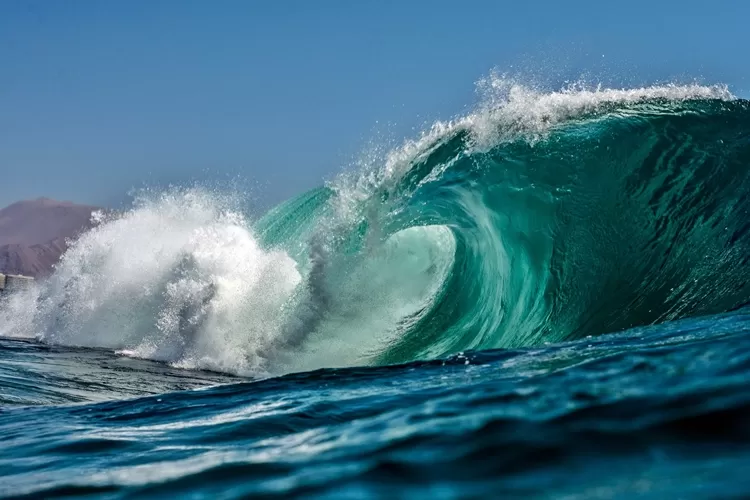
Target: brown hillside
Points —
{"points": [[33, 234]]}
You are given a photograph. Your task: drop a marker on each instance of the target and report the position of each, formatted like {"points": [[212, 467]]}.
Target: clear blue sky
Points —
{"points": [[97, 97]]}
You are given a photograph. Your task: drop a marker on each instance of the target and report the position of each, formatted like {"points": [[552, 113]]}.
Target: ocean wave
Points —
{"points": [[540, 217]]}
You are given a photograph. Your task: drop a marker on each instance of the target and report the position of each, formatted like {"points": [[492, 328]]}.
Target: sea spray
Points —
{"points": [[179, 278]]}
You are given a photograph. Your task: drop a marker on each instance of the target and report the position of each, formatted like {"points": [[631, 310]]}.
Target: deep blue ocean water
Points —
{"points": [[658, 412]]}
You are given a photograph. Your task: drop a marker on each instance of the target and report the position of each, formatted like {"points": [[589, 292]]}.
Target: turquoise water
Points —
{"points": [[545, 297]]}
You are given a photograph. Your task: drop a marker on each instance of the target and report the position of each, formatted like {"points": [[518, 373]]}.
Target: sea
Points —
{"points": [[544, 297]]}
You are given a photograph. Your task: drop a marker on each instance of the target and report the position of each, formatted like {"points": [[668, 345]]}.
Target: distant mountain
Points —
{"points": [[33, 234]]}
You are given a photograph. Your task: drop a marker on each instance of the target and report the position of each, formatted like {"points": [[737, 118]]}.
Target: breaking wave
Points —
{"points": [[539, 217]]}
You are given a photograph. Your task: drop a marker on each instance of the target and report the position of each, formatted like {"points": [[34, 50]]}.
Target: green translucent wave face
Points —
{"points": [[633, 215]]}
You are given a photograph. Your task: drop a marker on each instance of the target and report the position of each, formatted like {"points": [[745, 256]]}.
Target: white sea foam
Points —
{"points": [[507, 110], [180, 278]]}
